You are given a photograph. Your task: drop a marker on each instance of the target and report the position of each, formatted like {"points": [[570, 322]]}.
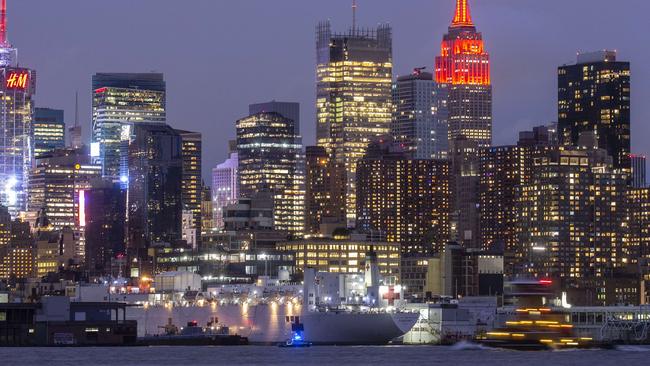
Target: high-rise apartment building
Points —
{"points": [[119, 102], [419, 116], [353, 104], [192, 181], [155, 160], [270, 157], [573, 217], [48, 131], [406, 200], [225, 187], [463, 72], [638, 163], [503, 172], [594, 95], [17, 89], [325, 190]]}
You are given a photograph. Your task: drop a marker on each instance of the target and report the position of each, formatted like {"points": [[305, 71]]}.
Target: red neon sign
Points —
{"points": [[17, 80]]}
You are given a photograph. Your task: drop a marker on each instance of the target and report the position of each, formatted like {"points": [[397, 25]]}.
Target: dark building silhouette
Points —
{"points": [[105, 229], [594, 95]]}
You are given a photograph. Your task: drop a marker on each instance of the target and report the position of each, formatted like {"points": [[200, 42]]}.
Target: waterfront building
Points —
{"points": [[406, 200], [594, 95], [463, 72], [343, 253], [638, 170], [353, 99], [105, 232], [225, 186], [325, 191], [48, 131], [119, 101], [17, 89], [459, 272], [270, 157], [58, 184], [192, 181], [573, 217], [639, 233], [155, 161], [419, 116]]}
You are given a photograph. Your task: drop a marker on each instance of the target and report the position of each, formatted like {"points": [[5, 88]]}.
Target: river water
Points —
{"points": [[340, 356]]}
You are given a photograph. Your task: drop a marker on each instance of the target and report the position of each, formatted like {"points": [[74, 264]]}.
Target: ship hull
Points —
{"points": [[332, 328], [271, 324]]}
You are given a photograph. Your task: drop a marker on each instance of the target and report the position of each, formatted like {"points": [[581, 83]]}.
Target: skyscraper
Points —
{"points": [[419, 116], [463, 70], [594, 95], [225, 189], [638, 170], [405, 199], [105, 234], [17, 89], [192, 181], [48, 131], [155, 156], [58, 184], [325, 190], [270, 157], [119, 101], [354, 75]]}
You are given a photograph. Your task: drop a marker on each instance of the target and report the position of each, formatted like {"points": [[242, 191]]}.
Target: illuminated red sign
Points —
{"points": [[17, 80]]}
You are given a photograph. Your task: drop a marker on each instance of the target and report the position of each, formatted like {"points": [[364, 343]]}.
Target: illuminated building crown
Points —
{"points": [[463, 59], [7, 52]]}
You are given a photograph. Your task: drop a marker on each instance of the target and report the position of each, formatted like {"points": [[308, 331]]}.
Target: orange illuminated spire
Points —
{"points": [[463, 17]]}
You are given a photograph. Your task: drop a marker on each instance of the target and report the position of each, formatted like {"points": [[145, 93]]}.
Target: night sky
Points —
{"points": [[218, 56]]}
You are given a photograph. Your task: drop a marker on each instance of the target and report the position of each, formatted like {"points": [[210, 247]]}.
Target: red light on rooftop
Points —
{"points": [[100, 90], [545, 282]]}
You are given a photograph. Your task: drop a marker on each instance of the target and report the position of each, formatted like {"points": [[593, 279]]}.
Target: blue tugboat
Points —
{"points": [[297, 338]]}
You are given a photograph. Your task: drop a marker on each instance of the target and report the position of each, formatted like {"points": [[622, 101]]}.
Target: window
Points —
{"points": [[3, 316]]}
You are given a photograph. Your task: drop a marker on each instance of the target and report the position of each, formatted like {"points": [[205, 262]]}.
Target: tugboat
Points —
{"points": [[194, 335], [297, 337]]}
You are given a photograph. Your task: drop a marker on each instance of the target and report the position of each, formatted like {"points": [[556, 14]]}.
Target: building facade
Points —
{"points": [[419, 116], [48, 131], [270, 157], [105, 232], [192, 180], [155, 160], [325, 191], [406, 200], [58, 184], [463, 72], [594, 95], [119, 102], [573, 217], [353, 103], [639, 163], [225, 187]]}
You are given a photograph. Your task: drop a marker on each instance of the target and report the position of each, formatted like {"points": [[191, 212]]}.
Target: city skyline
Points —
{"points": [[532, 27]]}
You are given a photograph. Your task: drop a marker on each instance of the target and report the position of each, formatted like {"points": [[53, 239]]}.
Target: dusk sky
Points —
{"points": [[218, 56]]}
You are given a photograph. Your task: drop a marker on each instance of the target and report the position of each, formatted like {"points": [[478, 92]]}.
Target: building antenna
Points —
{"points": [[76, 108], [354, 15], [3, 23]]}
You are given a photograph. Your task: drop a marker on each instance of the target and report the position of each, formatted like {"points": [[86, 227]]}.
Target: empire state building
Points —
{"points": [[463, 69]]}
